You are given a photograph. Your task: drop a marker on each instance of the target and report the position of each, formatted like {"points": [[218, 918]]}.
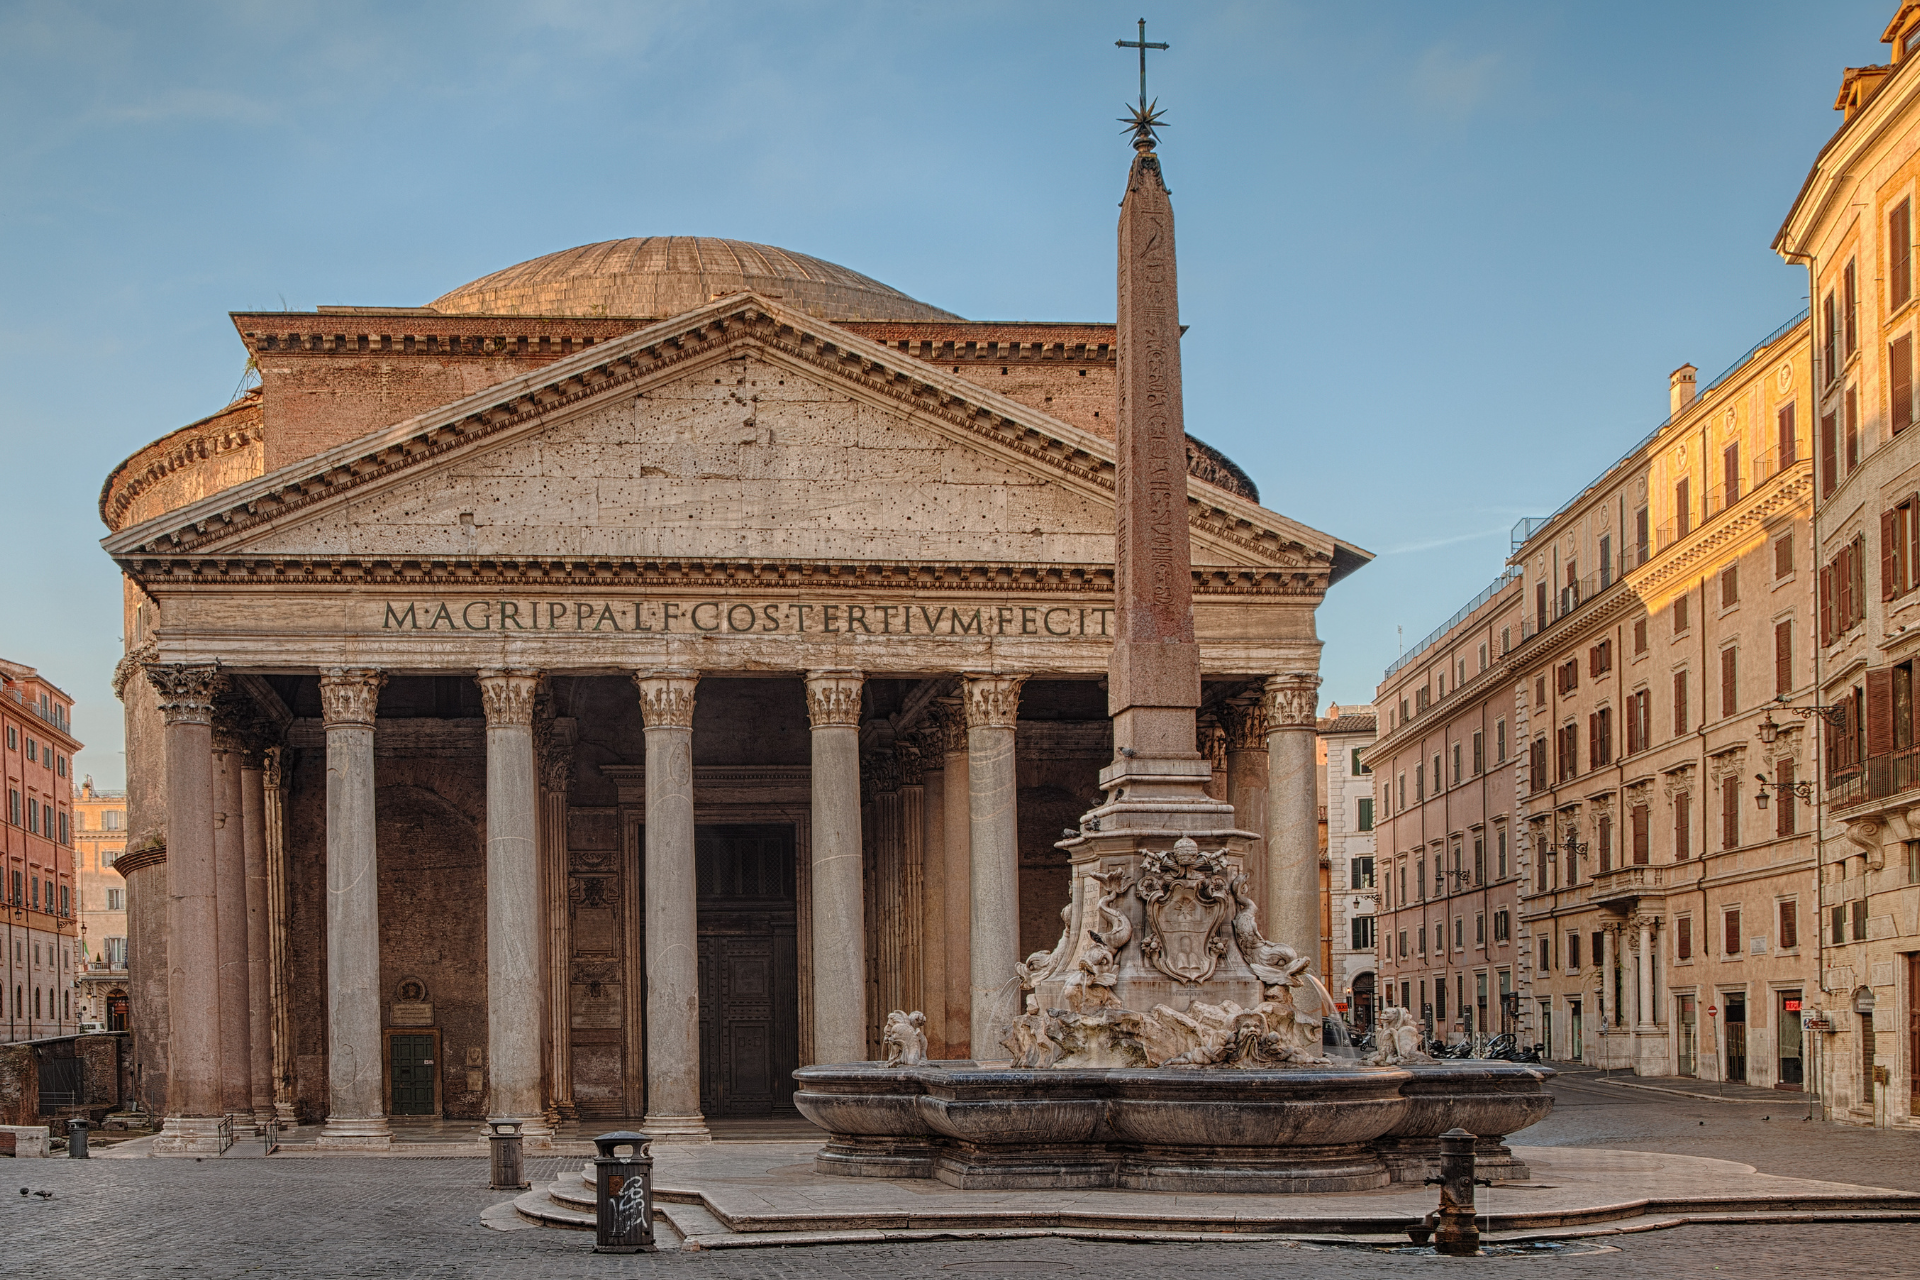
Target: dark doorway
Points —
{"points": [[410, 1060], [1736, 1036], [116, 1012], [749, 968], [1792, 1072]]}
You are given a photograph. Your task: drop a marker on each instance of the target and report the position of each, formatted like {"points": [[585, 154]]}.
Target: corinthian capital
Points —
{"points": [[833, 698], [1292, 701], [947, 726], [186, 690], [508, 694], [666, 698], [350, 695], [1246, 719], [992, 701]]}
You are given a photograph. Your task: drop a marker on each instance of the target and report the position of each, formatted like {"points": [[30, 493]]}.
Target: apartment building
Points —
{"points": [[1447, 864], [40, 932], [1352, 894], [1852, 230], [99, 838]]}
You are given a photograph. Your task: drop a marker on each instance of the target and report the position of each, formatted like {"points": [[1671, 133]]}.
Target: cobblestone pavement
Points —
{"points": [[420, 1217]]}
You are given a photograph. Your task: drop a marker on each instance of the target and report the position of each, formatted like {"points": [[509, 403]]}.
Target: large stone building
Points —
{"points": [[1852, 228], [1666, 918], [41, 933], [1446, 830], [633, 675], [100, 837], [1352, 967]]}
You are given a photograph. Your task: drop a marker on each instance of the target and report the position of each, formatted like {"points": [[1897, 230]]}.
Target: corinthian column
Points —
{"points": [[992, 705], [230, 870], [839, 938], [195, 1124], [253, 827], [1293, 838], [673, 936], [933, 889], [956, 847], [1247, 769], [514, 1005], [555, 744], [273, 784], [356, 1088]]}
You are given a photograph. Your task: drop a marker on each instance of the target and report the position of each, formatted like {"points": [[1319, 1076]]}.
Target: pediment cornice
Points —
{"points": [[218, 527]]}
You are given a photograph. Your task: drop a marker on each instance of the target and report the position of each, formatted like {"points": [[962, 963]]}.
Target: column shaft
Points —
{"points": [[672, 929], [1248, 773], [992, 705], [1644, 972], [957, 840], [556, 775], [1293, 837], [273, 782], [230, 869], [253, 826], [839, 945], [195, 1123], [516, 1008], [933, 890], [356, 1085]]}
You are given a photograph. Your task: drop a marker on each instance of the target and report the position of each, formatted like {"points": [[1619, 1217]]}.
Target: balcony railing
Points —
{"points": [[1876, 779], [1634, 878]]}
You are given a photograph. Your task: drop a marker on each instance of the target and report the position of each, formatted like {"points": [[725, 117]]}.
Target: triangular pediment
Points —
{"points": [[739, 432]]}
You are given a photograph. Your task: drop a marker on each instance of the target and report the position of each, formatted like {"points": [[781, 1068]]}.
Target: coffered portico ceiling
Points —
{"points": [[742, 438]]}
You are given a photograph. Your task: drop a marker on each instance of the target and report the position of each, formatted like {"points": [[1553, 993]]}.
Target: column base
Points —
{"points": [[283, 1115], [262, 1117], [683, 1128], [193, 1136], [356, 1133]]}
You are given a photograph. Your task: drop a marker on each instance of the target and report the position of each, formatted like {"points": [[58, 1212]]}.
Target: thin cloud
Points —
{"points": [[1451, 82]]}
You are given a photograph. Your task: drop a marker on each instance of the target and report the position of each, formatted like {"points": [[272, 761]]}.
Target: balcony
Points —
{"points": [[1636, 880], [1876, 779]]}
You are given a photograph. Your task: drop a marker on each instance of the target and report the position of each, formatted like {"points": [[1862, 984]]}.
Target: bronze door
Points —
{"points": [[412, 1066], [749, 982]]}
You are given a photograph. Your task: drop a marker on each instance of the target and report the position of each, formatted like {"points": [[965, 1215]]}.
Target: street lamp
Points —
{"points": [[1834, 716], [1803, 789]]}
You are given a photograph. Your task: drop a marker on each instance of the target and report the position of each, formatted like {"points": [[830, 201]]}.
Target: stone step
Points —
{"points": [[568, 1203]]}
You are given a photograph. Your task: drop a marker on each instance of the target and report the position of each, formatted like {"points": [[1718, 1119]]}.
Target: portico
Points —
{"points": [[653, 723]]}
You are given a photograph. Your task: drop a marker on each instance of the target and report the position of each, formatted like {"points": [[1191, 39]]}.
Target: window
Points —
{"points": [[1839, 929], [1540, 618], [1606, 561], [65, 909], [1900, 382], [66, 836], [1436, 773], [1680, 613], [1483, 657], [1422, 931], [1850, 310], [33, 815], [1851, 407], [1403, 791], [1859, 919], [33, 750], [13, 738], [1729, 681], [1789, 924], [1540, 691], [1573, 952], [1420, 878], [1500, 741], [1899, 256], [1682, 507], [1842, 591], [1479, 858], [1730, 944], [112, 819], [1729, 475], [1679, 703], [1829, 455], [1788, 451], [1546, 956], [1567, 751], [1683, 938], [1682, 826], [1784, 817], [1359, 767], [1402, 898], [1459, 934], [1480, 929], [116, 899], [1363, 933], [1479, 752], [1360, 871], [1642, 539], [1600, 658], [1730, 812], [1900, 549], [1403, 944], [1730, 586], [1537, 764], [13, 807], [1566, 677], [1782, 658], [1456, 764], [60, 765], [1600, 738], [1506, 639], [1603, 841], [1640, 636], [1639, 722], [1830, 337], [1365, 814], [1502, 926]]}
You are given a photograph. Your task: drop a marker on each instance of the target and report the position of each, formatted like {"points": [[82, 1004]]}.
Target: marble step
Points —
{"points": [[567, 1202]]}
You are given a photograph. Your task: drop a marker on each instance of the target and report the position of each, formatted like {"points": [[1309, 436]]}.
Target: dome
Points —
{"points": [[659, 276]]}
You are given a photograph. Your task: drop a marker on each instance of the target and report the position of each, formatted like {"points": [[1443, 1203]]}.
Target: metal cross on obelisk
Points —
{"points": [[1143, 118]]}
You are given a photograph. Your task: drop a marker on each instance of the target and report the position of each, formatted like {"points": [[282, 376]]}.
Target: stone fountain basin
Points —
{"points": [[1340, 1127]]}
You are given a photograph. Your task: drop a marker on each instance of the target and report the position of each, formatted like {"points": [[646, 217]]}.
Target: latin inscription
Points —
{"points": [[738, 617]]}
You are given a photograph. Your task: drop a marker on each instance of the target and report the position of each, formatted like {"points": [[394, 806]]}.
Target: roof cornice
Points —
{"points": [[1833, 167]]}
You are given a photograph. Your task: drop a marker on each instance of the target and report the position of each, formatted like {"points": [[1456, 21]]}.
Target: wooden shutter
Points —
{"points": [[1682, 506], [1899, 255], [1730, 812], [1733, 933], [1900, 379], [1640, 842], [1729, 687], [1683, 938], [1606, 848], [1788, 441], [1889, 554], [1606, 736], [1730, 472], [1829, 454], [1783, 658], [1859, 578], [1641, 540], [1679, 703], [1826, 604], [1789, 925], [1880, 711], [1783, 820], [1683, 826], [1593, 741], [1783, 556], [1843, 590]]}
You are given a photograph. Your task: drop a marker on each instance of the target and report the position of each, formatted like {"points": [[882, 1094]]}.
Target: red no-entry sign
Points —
{"points": [[1713, 1011]]}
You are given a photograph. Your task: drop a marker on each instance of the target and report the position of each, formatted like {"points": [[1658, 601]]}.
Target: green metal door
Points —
{"points": [[412, 1059]]}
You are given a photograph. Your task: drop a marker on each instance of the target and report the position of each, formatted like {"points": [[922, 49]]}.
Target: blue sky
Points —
{"points": [[1437, 259]]}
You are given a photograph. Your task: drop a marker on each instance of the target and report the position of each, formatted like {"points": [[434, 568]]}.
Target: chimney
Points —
{"points": [[1680, 390]]}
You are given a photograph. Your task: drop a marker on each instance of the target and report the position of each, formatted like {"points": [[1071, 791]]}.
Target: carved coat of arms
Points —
{"points": [[1187, 901]]}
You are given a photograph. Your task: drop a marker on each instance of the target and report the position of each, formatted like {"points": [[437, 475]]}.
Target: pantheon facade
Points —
{"points": [[629, 677]]}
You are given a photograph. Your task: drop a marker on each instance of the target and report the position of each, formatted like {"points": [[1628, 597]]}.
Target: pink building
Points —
{"points": [[41, 932]]}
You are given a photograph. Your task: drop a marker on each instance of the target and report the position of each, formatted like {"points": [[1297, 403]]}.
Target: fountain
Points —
{"points": [[1165, 1042]]}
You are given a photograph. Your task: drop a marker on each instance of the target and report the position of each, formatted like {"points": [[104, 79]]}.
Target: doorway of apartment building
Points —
{"points": [[1687, 1022], [1576, 1038], [1913, 1033], [1736, 1035], [1546, 1028], [1791, 1072]]}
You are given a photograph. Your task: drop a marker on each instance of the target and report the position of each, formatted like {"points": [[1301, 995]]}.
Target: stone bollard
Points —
{"points": [[77, 1140], [509, 1174], [1455, 1233], [623, 1194]]}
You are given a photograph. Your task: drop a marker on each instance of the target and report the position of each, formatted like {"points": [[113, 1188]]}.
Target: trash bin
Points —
{"points": [[509, 1174], [77, 1140], [623, 1194]]}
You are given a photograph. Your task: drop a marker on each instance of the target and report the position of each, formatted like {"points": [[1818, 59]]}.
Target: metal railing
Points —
{"points": [[1438, 633], [1875, 779]]}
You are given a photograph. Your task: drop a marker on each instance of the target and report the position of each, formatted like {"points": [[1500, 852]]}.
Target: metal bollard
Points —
{"points": [[77, 1140], [1455, 1233], [509, 1173], [623, 1194]]}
